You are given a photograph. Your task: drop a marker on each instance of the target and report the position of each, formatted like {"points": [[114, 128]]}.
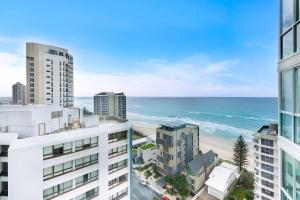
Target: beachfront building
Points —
{"points": [[289, 100], [146, 154], [177, 145], [109, 104], [221, 179], [49, 75], [198, 170], [266, 163], [18, 93], [50, 152]]}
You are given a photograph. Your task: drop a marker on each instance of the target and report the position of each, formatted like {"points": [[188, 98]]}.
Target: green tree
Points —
{"points": [[240, 151], [181, 185]]}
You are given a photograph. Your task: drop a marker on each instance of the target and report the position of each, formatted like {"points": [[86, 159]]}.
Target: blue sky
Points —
{"points": [[149, 48]]}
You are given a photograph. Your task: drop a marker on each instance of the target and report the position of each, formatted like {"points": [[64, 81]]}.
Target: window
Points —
{"points": [[297, 130], [267, 167], [267, 150], [57, 190], [57, 170], [117, 151], [89, 194], [267, 175], [267, 183], [86, 178], [267, 192], [287, 173], [287, 16], [297, 87], [267, 142], [117, 166], [267, 159], [57, 150], [297, 173], [286, 90], [86, 161], [286, 126], [86, 143], [117, 181], [287, 47], [114, 137]]}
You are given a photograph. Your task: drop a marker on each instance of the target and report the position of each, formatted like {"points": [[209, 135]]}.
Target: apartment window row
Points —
{"points": [[267, 192], [267, 159], [267, 184], [66, 167], [267, 150], [118, 136], [289, 27], [267, 175], [290, 175], [66, 148], [119, 195], [89, 194], [290, 98], [58, 190], [117, 151], [267, 167], [86, 161], [57, 170], [267, 142], [117, 166], [86, 143], [57, 150], [117, 181], [86, 178]]}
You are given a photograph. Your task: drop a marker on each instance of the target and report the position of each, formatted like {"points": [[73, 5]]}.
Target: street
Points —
{"points": [[140, 192]]}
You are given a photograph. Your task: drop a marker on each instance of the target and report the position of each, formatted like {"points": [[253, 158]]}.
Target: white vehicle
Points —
{"points": [[142, 181]]}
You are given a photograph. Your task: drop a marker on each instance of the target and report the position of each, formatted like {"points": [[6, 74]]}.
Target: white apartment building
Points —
{"points": [[266, 163], [50, 152], [109, 104], [49, 75], [289, 100]]}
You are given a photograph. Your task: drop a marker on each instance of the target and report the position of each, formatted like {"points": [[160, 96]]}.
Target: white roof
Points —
{"points": [[220, 177]]}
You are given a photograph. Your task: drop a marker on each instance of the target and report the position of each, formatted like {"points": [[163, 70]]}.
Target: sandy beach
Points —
{"points": [[222, 147]]}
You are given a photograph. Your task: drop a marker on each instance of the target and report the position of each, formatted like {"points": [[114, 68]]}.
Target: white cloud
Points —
{"points": [[195, 75]]}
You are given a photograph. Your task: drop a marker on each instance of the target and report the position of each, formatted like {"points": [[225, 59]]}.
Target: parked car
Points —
{"points": [[142, 181]]}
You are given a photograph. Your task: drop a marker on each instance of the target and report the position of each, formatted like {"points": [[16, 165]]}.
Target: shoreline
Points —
{"points": [[221, 146]]}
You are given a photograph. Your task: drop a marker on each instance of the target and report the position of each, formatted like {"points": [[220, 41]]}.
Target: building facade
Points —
{"points": [[266, 163], [109, 104], [289, 100], [176, 145], [18, 93], [49, 75], [61, 154], [198, 170]]}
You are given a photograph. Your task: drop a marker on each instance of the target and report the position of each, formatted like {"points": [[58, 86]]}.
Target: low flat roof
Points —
{"points": [[175, 125], [219, 177]]}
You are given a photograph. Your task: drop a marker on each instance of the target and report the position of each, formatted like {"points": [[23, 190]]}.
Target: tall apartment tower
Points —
{"points": [[266, 163], [18, 93], [49, 75], [109, 104], [289, 100], [177, 145], [49, 152]]}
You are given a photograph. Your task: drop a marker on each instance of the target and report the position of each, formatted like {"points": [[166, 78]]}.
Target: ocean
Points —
{"points": [[225, 117]]}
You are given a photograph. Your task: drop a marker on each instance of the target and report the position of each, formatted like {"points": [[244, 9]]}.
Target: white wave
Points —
{"points": [[229, 132], [233, 116]]}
